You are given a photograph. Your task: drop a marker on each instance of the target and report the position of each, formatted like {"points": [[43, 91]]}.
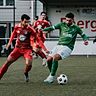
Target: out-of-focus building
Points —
{"points": [[84, 11]]}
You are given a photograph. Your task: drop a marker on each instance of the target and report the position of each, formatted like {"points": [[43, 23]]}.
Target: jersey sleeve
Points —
{"points": [[57, 26], [84, 36]]}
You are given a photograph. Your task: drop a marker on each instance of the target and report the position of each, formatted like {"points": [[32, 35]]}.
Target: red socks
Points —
{"points": [[41, 54], [27, 68], [3, 69]]}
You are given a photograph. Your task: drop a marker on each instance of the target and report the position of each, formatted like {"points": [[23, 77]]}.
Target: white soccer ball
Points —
{"points": [[62, 79]]}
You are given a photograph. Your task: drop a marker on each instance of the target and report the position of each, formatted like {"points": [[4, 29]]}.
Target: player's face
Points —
{"points": [[69, 21], [43, 16], [25, 23]]}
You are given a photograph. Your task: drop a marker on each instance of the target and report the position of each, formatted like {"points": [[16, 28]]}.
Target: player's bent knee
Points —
{"points": [[28, 62], [49, 59], [57, 57], [9, 62], [29, 65]]}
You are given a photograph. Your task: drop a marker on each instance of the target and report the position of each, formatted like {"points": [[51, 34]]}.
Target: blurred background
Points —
{"points": [[84, 11]]}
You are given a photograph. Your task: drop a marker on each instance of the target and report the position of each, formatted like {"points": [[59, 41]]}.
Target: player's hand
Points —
{"points": [[94, 40], [86, 42], [7, 46]]}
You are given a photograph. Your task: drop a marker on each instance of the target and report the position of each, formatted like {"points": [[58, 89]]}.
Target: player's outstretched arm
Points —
{"points": [[8, 45], [48, 29]]}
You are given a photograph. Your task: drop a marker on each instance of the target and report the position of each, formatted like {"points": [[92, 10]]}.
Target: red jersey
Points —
{"points": [[41, 24], [23, 36]]}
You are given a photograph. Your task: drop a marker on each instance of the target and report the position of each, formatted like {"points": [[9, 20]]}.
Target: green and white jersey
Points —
{"points": [[68, 34]]}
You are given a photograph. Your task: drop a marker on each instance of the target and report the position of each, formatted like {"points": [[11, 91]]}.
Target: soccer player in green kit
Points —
{"points": [[65, 44]]}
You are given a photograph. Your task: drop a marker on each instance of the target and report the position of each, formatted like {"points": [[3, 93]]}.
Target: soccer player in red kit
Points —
{"points": [[24, 33], [40, 24]]}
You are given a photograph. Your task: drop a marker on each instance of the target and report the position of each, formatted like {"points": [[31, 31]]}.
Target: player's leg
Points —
{"points": [[14, 55], [35, 55], [42, 45], [60, 52], [50, 58], [28, 67], [28, 63], [50, 78], [52, 65], [43, 56], [38, 50], [39, 45], [49, 62]]}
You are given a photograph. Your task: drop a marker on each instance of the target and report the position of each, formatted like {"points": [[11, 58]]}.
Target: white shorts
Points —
{"points": [[62, 50]]}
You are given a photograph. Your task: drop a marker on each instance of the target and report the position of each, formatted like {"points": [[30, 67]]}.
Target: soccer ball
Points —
{"points": [[62, 79]]}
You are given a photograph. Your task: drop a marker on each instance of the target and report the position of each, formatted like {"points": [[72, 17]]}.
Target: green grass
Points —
{"points": [[81, 72]]}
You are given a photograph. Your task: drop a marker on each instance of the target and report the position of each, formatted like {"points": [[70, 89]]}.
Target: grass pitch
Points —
{"points": [[81, 72]]}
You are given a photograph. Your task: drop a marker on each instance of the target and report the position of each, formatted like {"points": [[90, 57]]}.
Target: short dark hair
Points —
{"points": [[43, 13], [70, 15], [25, 16]]}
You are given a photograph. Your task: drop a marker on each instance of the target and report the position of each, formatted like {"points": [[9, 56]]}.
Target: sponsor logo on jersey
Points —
{"points": [[18, 31], [67, 35], [22, 38]]}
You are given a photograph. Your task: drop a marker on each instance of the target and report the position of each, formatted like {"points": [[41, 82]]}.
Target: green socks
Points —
{"points": [[49, 65], [54, 67]]}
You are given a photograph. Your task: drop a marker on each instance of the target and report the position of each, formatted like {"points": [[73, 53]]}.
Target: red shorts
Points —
{"points": [[18, 52]]}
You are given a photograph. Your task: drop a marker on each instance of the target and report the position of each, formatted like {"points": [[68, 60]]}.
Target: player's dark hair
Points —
{"points": [[70, 15], [25, 16], [43, 13]]}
